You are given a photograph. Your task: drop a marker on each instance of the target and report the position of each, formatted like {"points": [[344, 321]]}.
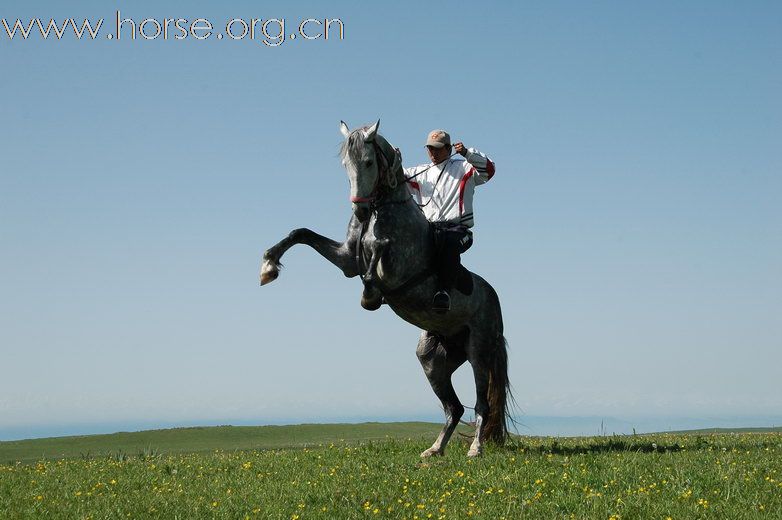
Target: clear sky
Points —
{"points": [[633, 229]]}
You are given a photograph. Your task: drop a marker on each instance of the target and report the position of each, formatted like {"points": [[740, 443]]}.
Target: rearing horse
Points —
{"points": [[390, 244]]}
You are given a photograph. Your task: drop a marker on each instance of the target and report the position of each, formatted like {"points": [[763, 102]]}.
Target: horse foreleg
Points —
{"points": [[371, 298], [338, 253], [438, 366]]}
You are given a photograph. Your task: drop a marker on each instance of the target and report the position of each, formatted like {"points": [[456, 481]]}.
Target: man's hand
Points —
{"points": [[460, 149]]}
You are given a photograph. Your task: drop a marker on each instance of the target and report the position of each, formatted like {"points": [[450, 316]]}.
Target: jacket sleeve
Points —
{"points": [[484, 167]]}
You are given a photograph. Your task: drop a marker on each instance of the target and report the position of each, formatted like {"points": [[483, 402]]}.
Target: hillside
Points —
{"points": [[240, 438], [202, 439]]}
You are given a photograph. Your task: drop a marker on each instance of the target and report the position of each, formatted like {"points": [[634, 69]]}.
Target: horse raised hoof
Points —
{"points": [[269, 271], [432, 452]]}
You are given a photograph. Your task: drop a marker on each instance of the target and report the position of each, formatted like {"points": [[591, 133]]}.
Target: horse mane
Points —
{"points": [[353, 145]]}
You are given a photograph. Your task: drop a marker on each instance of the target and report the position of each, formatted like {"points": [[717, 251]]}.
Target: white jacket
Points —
{"points": [[446, 190]]}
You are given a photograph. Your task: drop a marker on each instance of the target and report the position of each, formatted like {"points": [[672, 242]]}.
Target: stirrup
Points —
{"points": [[441, 302]]}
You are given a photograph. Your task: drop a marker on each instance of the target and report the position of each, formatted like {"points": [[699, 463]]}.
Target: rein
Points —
{"points": [[434, 186], [375, 200], [408, 179]]}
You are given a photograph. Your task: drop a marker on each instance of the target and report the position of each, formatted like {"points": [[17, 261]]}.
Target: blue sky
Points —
{"points": [[633, 230]]}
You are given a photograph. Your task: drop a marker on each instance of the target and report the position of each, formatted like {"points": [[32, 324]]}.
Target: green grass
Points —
{"points": [[630, 477]]}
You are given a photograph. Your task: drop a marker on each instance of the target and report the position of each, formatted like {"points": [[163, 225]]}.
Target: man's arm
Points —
{"points": [[484, 167]]}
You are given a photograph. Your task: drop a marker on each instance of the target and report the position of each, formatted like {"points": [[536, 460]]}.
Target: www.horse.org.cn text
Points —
{"points": [[271, 32]]}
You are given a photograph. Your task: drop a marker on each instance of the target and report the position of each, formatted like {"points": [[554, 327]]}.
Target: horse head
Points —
{"points": [[365, 157]]}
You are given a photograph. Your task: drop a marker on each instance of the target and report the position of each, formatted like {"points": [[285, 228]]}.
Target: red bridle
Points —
{"points": [[362, 199]]}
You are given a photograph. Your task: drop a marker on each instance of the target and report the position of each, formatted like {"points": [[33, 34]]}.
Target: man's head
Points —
{"points": [[438, 145]]}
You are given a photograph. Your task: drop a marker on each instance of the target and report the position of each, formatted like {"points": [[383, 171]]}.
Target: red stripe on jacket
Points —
{"points": [[462, 185]]}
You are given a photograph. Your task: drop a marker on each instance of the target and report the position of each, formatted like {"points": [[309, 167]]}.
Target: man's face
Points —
{"points": [[438, 155]]}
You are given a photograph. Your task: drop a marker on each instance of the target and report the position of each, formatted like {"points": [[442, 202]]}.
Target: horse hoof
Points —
{"points": [[474, 452], [269, 272], [431, 452]]}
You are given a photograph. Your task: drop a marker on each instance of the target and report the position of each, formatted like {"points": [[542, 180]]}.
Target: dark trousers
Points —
{"points": [[451, 240]]}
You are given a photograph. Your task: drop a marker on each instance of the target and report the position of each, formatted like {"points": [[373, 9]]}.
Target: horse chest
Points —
{"points": [[396, 245]]}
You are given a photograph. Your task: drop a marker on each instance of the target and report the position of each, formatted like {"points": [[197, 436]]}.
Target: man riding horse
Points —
{"points": [[389, 245], [444, 191]]}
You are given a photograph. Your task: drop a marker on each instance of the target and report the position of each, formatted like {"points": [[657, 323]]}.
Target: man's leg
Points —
{"points": [[453, 242]]}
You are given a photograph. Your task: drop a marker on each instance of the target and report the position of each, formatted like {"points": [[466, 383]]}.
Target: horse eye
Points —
{"points": [[368, 163]]}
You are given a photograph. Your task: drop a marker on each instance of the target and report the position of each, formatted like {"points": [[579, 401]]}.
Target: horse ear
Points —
{"points": [[343, 127], [371, 132]]}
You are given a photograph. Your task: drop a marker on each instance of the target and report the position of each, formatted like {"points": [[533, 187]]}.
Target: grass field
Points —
{"points": [[682, 476]]}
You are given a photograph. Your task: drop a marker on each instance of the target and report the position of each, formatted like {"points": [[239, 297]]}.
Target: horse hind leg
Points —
{"points": [[439, 365], [490, 368], [481, 375]]}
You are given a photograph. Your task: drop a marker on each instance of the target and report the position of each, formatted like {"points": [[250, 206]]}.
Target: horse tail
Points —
{"points": [[500, 396]]}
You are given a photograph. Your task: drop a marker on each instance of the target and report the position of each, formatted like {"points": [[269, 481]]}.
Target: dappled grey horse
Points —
{"points": [[390, 245]]}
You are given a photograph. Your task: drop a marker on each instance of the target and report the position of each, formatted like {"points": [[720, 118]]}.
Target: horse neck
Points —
{"points": [[407, 221], [401, 191], [405, 215], [390, 154]]}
